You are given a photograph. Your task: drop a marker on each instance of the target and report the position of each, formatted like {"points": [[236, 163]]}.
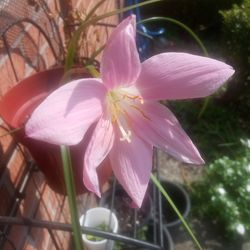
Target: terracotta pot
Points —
{"points": [[15, 109]]}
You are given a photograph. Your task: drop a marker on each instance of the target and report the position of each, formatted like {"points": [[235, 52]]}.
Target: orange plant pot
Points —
{"points": [[15, 109]]}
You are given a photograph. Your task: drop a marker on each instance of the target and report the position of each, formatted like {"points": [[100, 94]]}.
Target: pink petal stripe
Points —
{"points": [[65, 115], [99, 146], [181, 76], [160, 128], [132, 164], [120, 62]]}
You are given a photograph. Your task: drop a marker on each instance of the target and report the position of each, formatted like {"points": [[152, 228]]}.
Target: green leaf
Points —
{"points": [[70, 187], [170, 201], [92, 21]]}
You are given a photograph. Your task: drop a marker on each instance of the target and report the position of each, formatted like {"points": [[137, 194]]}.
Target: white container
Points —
{"points": [[94, 218]]}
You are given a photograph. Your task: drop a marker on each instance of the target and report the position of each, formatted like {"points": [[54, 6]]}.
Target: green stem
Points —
{"points": [[196, 38], [170, 201], [93, 71], [91, 21], [93, 10], [99, 50], [204, 106], [180, 24], [70, 187], [96, 53]]}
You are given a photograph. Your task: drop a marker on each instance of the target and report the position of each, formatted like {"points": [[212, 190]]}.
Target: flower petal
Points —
{"points": [[66, 114], [181, 76], [132, 164], [120, 62], [98, 148], [160, 127]]}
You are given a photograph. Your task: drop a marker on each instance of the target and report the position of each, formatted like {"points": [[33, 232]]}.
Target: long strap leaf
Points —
{"points": [[170, 201], [91, 21], [196, 38], [180, 24], [70, 187]]}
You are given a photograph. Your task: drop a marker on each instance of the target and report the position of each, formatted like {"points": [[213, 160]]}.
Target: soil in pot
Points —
{"points": [[128, 217]]}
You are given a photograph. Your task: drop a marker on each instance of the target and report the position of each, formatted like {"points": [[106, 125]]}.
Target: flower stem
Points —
{"points": [[72, 46], [170, 201], [195, 37], [93, 71], [180, 24], [70, 187]]}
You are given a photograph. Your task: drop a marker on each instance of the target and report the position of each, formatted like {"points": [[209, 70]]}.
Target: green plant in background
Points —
{"points": [[103, 227], [236, 37], [236, 29], [199, 15], [218, 131], [223, 196]]}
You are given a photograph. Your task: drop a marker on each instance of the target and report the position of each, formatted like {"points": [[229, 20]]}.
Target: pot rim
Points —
{"points": [[107, 213]]}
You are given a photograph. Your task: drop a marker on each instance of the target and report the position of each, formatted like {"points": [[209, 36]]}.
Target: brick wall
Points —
{"points": [[23, 189]]}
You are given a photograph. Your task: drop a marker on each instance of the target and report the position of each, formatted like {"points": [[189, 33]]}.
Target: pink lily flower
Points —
{"points": [[123, 107]]}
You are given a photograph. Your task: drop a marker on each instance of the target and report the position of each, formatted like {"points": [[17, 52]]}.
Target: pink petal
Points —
{"points": [[181, 76], [120, 62], [66, 114], [98, 148], [160, 127], [132, 164]]}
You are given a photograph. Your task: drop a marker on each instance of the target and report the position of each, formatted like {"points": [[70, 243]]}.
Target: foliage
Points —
{"points": [[236, 28], [197, 14], [103, 227], [224, 194], [218, 131], [236, 37]]}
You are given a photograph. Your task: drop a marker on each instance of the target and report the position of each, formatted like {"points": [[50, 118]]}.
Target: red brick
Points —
{"points": [[16, 167], [41, 202], [7, 74], [6, 140]]}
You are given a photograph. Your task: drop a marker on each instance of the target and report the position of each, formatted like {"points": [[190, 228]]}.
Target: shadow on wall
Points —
{"points": [[24, 193], [14, 185]]}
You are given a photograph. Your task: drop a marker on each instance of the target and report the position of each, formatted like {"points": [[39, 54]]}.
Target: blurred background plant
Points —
{"points": [[224, 28], [223, 195], [236, 37]]}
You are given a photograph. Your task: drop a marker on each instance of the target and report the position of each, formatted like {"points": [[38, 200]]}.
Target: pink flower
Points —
{"points": [[123, 107]]}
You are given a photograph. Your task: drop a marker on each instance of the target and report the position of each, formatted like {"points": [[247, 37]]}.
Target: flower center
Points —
{"points": [[118, 102]]}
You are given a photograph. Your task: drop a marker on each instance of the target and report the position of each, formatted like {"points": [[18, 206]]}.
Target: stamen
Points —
{"points": [[118, 100], [132, 97], [141, 112]]}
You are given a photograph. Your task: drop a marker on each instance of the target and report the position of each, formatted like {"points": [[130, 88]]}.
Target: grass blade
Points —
{"points": [[92, 21], [170, 201], [70, 187]]}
